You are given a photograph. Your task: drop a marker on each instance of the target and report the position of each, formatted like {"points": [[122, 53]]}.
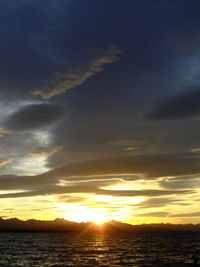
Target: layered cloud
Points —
{"points": [[79, 74], [193, 214], [158, 202], [53, 190], [149, 165], [186, 182], [182, 106], [34, 117], [145, 166], [153, 214], [60, 180], [167, 214]]}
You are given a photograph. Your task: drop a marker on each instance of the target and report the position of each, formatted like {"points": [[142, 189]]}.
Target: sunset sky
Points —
{"points": [[100, 110]]}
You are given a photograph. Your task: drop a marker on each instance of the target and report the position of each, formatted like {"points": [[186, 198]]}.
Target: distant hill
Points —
{"points": [[62, 225]]}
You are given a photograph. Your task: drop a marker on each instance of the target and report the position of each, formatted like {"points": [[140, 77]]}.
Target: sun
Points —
{"points": [[85, 214]]}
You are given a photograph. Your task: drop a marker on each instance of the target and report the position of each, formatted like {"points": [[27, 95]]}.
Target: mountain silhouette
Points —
{"points": [[62, 225]]}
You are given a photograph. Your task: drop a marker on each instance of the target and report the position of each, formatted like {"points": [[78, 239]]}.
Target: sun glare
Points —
{"points": [[85, 214]]}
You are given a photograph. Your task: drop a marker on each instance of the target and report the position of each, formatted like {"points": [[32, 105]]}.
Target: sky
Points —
{"points": [[99, 110]]}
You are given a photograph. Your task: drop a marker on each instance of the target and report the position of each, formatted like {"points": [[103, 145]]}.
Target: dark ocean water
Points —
{"points": [[72, 249]]}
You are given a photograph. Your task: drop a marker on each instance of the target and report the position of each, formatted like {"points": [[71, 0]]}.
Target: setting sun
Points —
{"points": [[84, 214]]}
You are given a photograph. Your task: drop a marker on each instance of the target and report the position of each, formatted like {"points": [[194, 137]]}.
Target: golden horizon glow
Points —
{"points": [[86, 214], [97, 209]]}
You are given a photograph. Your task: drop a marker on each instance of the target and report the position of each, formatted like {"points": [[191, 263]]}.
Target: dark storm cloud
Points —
{"points": [[35, 116], [182, 106], [41, 38], [186, 38], [29, 48]]}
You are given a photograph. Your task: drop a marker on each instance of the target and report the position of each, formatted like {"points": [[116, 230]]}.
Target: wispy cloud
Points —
{"points": [[79, 74], [153, 214], [4, 162], [127, 144], [4, 132], [158, 202], [45, 151], [194, 214]]}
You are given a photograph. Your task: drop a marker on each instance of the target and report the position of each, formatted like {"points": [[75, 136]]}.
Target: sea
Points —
{"points": [[99, 249]]}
